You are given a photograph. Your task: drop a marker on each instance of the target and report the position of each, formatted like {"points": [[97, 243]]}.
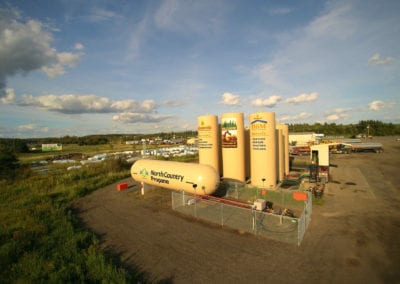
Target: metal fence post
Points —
{"points": [[222, 214], [254, 220]]}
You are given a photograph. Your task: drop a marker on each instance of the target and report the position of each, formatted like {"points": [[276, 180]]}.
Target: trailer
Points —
{"points": [[299, 150], [367, 147]]}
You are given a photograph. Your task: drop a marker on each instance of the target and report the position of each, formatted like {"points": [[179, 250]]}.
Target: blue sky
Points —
{"points": [[96, 67]]}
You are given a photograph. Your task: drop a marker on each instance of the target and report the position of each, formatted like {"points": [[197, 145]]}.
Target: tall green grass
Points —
{"points": [[41, 240]]}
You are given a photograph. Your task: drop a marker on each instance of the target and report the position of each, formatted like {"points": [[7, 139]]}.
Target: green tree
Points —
{"points": [[8, 163]]}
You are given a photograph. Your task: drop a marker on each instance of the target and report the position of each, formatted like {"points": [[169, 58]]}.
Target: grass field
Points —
{"points": [[75, 148], [41, 240]]}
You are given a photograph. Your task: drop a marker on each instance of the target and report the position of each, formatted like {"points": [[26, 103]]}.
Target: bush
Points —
{"points": [[8, 163]]}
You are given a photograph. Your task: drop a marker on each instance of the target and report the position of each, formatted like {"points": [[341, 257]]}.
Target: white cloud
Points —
{"points": [[309, 49], [303, 98], [54, 70], [144, 106], [379, 105], [79, 46], [332, 48], [188, 16], [268, 102], [336, 114], [335, 23], [131, 117], [230, 99], [300, 116], [34, 128], [78, 104], [165, 15], [376, 60], [269, 75], [137, 39], [98, 14], [332, 117], [68, 58], [9, 97], [27, 46], [172, 103]]}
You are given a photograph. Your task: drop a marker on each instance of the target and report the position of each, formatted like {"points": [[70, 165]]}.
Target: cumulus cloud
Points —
{"points": [[53, 70], [377, 60], [230, 99], [336, 114], [78, 104], [303, 98], [268, 102], [379, 105], [9, 98], [300, 116], [133, 105], [79, 46], [26, 46], [132, 117]]}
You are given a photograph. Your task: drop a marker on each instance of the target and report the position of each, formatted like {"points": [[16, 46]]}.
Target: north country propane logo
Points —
{"points": [[144, 173], [164, 177], [160, 176]]}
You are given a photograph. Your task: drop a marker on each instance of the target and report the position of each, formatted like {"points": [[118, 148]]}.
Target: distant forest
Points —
{"points": [[364, 127]]}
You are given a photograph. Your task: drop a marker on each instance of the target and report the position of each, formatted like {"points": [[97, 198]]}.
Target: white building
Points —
{"points": [[304, 138]]}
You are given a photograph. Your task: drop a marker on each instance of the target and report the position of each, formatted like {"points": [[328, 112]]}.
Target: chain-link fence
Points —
{"points": [[272, 224]]}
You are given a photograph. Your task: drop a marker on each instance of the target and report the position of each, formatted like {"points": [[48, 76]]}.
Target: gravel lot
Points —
{"points": [[352, 238]]}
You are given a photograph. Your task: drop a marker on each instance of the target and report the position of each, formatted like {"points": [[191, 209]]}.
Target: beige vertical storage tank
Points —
{"points": [[285, 134], [280, 147], [263, 149], [233, 146], [247, 151], [208, 130]]}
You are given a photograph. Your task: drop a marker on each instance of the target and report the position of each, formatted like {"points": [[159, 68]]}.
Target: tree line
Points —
{"points": [[363, 127]]}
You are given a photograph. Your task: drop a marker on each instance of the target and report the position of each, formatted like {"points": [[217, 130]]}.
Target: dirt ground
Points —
{"points": [[352, 238]]}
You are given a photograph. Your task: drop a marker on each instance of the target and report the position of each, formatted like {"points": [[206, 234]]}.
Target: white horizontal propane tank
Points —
{"points": [[192, 178]]}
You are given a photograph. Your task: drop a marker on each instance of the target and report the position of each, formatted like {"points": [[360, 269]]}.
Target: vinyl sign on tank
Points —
{"points": [[160, 176], [258, 133], [205, 141], [229, 132]]}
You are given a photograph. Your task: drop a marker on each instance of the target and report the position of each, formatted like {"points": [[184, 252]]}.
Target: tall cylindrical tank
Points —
{"points": [[233, 146], [192, 178], [285, 134], [207, 126], [280, 147], [263, 149], [247, 152]]}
